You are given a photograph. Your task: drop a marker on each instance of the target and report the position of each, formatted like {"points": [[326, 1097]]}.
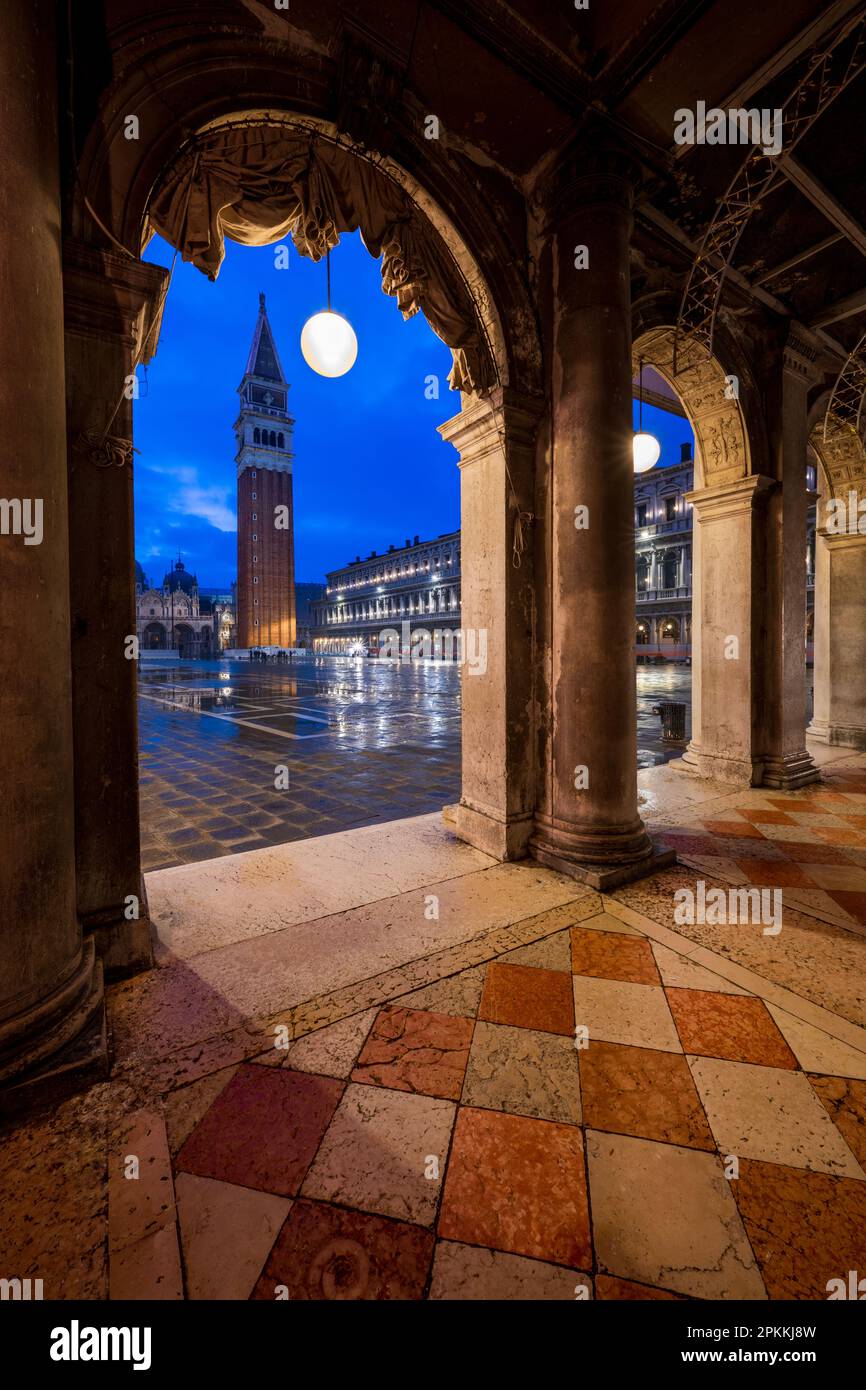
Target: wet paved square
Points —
{"points": [[363, 741]]}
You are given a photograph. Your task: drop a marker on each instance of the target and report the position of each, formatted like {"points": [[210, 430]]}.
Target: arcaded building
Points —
{"points": [[411, 589]]}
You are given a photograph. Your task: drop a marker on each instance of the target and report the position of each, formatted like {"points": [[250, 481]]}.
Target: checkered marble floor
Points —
{"points": [[811, 844], [591, 1115]]}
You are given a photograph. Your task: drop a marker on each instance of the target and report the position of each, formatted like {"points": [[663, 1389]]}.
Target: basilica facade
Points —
{"points": [[174, 617]]}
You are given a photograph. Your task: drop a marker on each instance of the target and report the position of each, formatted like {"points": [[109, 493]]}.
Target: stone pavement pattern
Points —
{"points": [[427, 1127]]}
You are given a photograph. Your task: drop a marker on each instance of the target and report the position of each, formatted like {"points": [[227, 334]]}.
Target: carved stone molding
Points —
{"points": [[709, 400]]}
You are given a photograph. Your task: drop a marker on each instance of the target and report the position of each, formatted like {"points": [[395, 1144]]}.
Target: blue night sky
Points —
{"points": [[369, 467]]}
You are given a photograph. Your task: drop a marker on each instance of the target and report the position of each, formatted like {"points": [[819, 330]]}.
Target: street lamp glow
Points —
{"points": [[329, 344], [645, 450]]}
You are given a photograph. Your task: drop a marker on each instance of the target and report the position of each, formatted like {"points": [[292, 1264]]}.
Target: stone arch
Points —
{"points": [[728, 523], [494, 433], [723, 443], [839, 613]]}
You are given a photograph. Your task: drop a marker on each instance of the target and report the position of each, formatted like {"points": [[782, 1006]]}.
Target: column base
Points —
{"points": [[58, 1045], [603, 861], [842, 735], [740, 772], [124, 946], [500, 837], [792, 771]]}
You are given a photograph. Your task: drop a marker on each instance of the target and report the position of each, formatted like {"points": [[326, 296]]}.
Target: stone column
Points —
{"points": [[51, 1015], [498, 728], [587, 823], [840, 636], [786, 762], [112, 310], [728, 617]]}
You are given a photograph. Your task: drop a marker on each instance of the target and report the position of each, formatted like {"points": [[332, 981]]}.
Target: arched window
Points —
{"points": [[273, 439], [280, 443], [257, 435]]}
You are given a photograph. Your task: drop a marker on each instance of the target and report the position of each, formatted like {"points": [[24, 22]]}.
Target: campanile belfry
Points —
{"points": [[266, 542]]}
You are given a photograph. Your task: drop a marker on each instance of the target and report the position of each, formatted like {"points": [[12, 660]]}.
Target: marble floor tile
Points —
{"points": [[842, 877], [327, 1253], [844, 1099], [518, 1185], [853, 902], [527, 997], [665, 1216], [607, 922], [523, 1072], [806, 1228], [607, 1286], [459, 994], [616, 1011], [816, 1050], [385, 1152], [413, 1050], [226, 1234], [772, 1115], [774, 873], [711, 1024], [634, 1090], [466, 1272], [608, 956], [682, 973], [551, 953], [331, 1051], [263, 1129]]}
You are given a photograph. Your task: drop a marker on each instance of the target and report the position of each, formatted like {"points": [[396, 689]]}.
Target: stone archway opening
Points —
{"points": [[726, 519], [838, 615], [222, 184]]}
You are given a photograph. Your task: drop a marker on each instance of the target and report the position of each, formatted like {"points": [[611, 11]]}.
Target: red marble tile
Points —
{"points": [[812, 852], [844, 1099], [329, 1253], [839, 834], [774, 873], [638, 1091], [607, 1286], [263, 1129], [805, 1228], [412, 1050], [685, 841], [608, 956], [527, 997], [761, 816], [518, 1185], [730, 1026], [853, 903], [858, 821], [793, 804], [733, 829]]}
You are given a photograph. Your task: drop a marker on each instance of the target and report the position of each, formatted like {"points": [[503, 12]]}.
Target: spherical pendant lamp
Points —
{"points": [[328, 341]]}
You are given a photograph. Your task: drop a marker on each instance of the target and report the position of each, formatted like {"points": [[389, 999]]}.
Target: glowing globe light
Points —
{"points": [[328, 344], [646, 450]]}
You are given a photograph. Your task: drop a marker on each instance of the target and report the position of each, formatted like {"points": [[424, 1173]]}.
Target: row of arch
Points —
{"points": [[269, 439]]}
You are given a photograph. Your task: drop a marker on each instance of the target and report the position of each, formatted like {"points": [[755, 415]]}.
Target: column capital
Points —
{"points": [[106, 295], [742, 495], [500, 418], [801, 352], [604, 175]]}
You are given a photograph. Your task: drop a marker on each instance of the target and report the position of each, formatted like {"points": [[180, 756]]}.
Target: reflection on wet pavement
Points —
{"points": [[361, 740]]}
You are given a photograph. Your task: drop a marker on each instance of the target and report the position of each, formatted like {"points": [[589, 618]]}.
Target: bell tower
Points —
{"points": [[266, 537]]}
